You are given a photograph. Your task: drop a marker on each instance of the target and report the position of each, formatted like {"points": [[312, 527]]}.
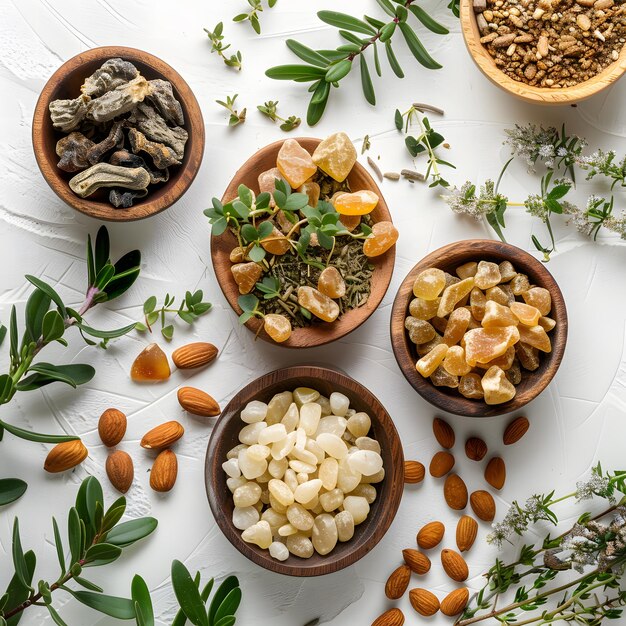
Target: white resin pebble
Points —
{"points": [[359, 424], [250, 434], [310, 415], [272, 434], [366, 462], [253, 412], [259, 534], [279, 551], [231, 467], [332, 424], [324, 536], [358, 507], [345, 525], [307, 491], [328, 470], [291, 418], [245, 517], [333, 446], [339, 403], [251, 468]]}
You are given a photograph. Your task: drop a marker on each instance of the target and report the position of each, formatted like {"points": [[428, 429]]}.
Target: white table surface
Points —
{"points": [[573, 423]]}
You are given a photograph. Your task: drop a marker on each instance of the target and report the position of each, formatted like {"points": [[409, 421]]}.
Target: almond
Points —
{"points": [[495, 472], [466, 531], [162, 436], [194, 355], [198, 402], [392, 617], [398, 582], [454, 565], [515, 430], [164, 471], [424, 602], [443, 433], [112, 427], [65, 456], [416, 560], [120, 470], [414, 472], [441, 464], [475, 449], [430, 535], [455, 492], [483, 505], [455, 602]]}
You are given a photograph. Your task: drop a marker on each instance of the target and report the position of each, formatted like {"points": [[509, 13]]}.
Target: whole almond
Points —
{"points": [[392, 617], [164, 471], [455, 602], [198, 402], [194, 355], [455, 492], [454, 565], [112, 427], [430, 535], [120, 470], [424, 602], [475, 449], [414, 472], [495, 472], [515, 430], [162, 436], [443, 433], [441, 464], [483, 505], [398, 582], [466, 531], [416, 560], [65, 455]]}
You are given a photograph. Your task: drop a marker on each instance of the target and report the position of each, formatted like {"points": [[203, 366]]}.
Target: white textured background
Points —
{"points": [[573, 423]]}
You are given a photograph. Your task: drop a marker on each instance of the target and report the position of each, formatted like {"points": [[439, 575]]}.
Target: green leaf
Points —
{"points": [[106, 334], [45, 373], [141, 596], [149, 305], [47, 289], [306, 54], [91, 266], [15, 352], [366, 81], [102, 553], [393, 61], [114, 514], [53, 326], [36, 309], [229, 620], [256, 253], [103, 248], [429, 22], [229, 605], [121, 608], [377, 61], [58, 543], [249, 232], [3, 333], [416, 47], [104, 276], [343, 20], [188, 595], [19, 561], [73, 535], [93, 497], [301, 73], [222, 592], [219, 226], [11, 489], [127, 270], [38, 437], [338, 71], [387, 31], [265, 229], [17, 592], [318, 102], [87, 584], [387, 7], [127, 533], [168, 332], [56, 618], [559, 191]]}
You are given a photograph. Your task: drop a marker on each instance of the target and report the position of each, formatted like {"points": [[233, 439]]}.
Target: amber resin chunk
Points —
{"points": [[336, 155], [526, 314], [357, 203], [539, 298], [295, 163], [471, 387], [454, 294], [246, 275], [151, 365], [278, 327], [456, 326], [312, 190], [498, 315], [455, 363], [487, 275], [507, 271], [267, 182], [420, 331], [331, 283], [317, 303], [429, 284], [467, 270], [528, 356], [431, 361], [477, 303], [536, 337], [505, 361], [442, 378], [384, 236], [496, 386], [485, 344], [276, 243], [424, 309]]}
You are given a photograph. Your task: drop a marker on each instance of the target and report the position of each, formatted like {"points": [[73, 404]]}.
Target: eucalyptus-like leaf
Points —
{"points": [[348, 22], [74, 535], [105, 334], [127, 533], [430, 23], [11, 489], [17, 592], [36, 308], [46, 373], [19, 561], [6, 388], [393, 60], [188, 595], [121, 608], [14, 344], [141, 597], [229, 620], [58, 544], [307, 54], [417, 48], [338, 71], [296, 72], [114, 514], [53, 326], [229, 584], [37, 437], [101, 553], [49, 291], [3, 333], [229, 605], [103, 248], [127, 270], [318, 102], [366, 81]]}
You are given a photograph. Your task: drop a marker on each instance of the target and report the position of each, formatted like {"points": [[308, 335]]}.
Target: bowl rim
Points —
{"points": [[473, 249], [194, 124], [528, 93], [318, 334], [385, 512]]}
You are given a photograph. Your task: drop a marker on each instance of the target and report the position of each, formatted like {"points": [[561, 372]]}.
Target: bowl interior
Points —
{"points": [[382, 511], [65, 84], [448, 259], [318, 333]]}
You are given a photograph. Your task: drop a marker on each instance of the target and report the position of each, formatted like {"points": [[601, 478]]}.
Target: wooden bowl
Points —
{"points": [[65, 83], [318, 333], [383, 510], [448, 259], [535, 95]]}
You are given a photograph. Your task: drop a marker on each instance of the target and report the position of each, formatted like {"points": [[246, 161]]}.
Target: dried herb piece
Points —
{"points": [[217, 37], [235, 117], [67, 115], [162, 97], [106, 175], [124, 199], [115, 139], [73, 151], [155, 128], [119, 101], [269, 110], [111, 74], [162, 156]]}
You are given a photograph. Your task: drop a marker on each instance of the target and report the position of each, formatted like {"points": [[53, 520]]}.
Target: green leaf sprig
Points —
{"points": [[95, 537], [252, 16], [216, 37], [326, 68], [269, 110], [236, 117]]}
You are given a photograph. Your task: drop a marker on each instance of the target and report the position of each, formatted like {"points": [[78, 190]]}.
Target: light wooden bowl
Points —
{"points": [[535, 95], [389, 491], [448, 259], [65, 83], [318, 333]]}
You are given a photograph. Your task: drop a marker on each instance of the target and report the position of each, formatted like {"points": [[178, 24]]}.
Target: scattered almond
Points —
{"points": [[194, 355], [515, 430], [495, 472], [454, 565], [475, 449], [455, 492], [466, 531], [441, 464], [65, 455], [416, 560], [112, 427], [197, 402], [430, 535], [443, 433], [455, 602], [414, 472], [424, 602], [483, 505], [398, 582], [120, 470], [392, 617], [162, 436], [164, 471]]}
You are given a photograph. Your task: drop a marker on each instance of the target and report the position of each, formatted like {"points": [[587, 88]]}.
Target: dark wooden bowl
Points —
{"points": [[318, 333], [448, 259], [65, 83], [383, 510]]}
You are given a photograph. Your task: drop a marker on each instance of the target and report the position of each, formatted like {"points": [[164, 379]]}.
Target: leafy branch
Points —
{"points": [[216, 37], [269, 110], [252, 16], [326, 68]]}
